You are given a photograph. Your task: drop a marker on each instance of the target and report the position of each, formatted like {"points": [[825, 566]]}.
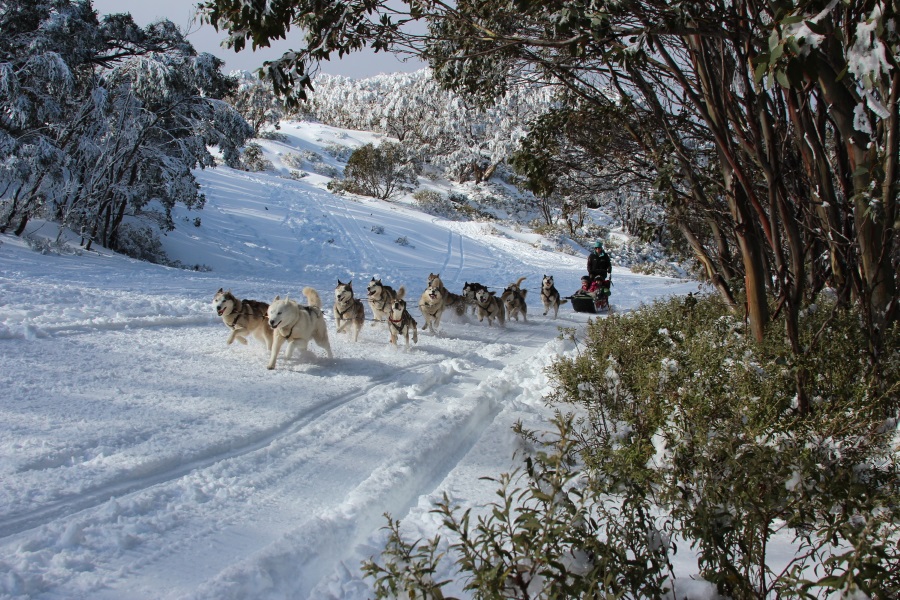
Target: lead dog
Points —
{"points": [[400, 322], [431, 304], [297, 324], [243, 317], [348, 310], [514, 300], [381, 297], [491, 307], [550, 297]]}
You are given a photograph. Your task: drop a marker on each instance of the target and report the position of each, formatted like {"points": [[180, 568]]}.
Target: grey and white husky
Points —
{"points": [[490, 306], [348, 310], [243, 317], [381, 297], [297, 324], [514, 300], [455, 301], [550, 297], [400, 322]]}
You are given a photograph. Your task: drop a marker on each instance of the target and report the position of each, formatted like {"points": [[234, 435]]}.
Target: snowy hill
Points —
{"points": [[141, 457]]}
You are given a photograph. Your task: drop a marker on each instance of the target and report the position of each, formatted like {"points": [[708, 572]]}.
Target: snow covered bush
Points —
{"points": [[142, 243], [253, 159], [378, 171], [435, 203]]}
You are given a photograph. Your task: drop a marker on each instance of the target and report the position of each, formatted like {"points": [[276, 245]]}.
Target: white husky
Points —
{"points": [[297, 324], [431, 305]]}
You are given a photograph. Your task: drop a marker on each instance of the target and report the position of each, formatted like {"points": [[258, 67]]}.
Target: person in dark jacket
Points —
{"points": [[598, 264]]}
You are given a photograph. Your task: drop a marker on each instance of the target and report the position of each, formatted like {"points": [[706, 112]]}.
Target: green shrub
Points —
{"points": [[678, 395], [689, 430]]}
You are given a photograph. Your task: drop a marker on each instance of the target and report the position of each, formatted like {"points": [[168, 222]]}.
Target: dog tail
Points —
{"points": [[312, 297], [519, 282], [401, 292]]}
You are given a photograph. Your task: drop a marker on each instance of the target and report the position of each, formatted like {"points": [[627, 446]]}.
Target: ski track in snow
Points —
{"points": [[142, 458]]}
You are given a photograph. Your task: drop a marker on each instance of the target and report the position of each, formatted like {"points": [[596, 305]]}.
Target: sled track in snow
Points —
{"points": [[460, 258], [25, 520]]}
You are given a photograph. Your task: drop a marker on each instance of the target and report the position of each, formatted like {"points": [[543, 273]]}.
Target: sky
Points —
{"points": [[144, 458], [205, 38]]}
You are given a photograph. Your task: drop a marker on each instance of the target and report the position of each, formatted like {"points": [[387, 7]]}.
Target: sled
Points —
{"points": [[584, 303]]}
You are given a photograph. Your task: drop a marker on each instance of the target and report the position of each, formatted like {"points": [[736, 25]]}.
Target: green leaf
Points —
{"points": [[782, 78], [777, 52], [816, 28]]}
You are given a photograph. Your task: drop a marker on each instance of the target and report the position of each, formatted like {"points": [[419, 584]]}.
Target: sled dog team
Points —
{"points": [[286, 320]]}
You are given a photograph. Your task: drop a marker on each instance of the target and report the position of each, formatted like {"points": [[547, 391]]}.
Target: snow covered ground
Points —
{"points": [[141, 457]]}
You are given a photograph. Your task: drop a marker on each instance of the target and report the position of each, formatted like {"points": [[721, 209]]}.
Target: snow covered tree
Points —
{"points": [[256, 103], [103, 119], [466, 141], [378, 171]]}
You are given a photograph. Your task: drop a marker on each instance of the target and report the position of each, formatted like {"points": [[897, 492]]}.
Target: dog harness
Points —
{"points": [[341, 313]]}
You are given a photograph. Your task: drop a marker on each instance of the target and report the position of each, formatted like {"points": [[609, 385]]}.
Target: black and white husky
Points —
{"points": [[469, 291], [490, 306], [297, 324], [513, 298], [550, 297], [348, 310], [243, 317], [400, 322], [381, 297]]}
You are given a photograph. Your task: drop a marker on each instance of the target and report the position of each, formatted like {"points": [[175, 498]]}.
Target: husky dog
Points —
{"points": [[550, 296], [297, 324], [400, 322], [243, 317], [348, 310], [469, 291], [431, 304], [490, 306], [514, 299], [434, 280], [380, 297], [457, 301]]}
